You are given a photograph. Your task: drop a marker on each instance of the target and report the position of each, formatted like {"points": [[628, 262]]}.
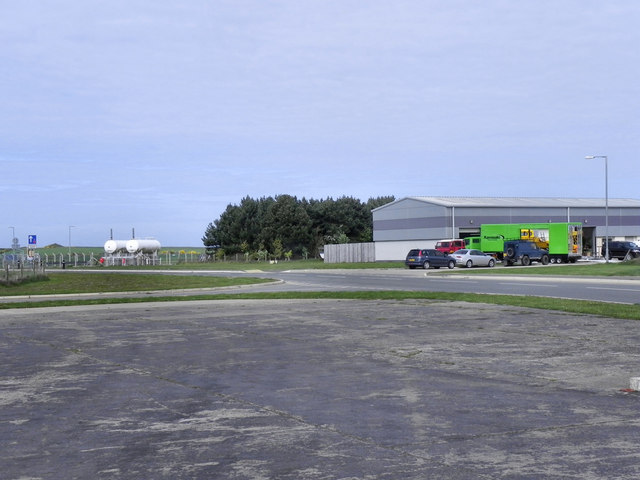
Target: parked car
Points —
{"points": [[620, 250], [473, 258], [449, 246], [525, 252], [427, 258]]}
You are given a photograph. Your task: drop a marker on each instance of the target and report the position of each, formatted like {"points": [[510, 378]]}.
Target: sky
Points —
{"points": [[151, 117]]}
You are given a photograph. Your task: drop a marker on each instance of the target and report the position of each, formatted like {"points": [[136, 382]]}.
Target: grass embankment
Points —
{"points": [[631, 312], [68, 283]]}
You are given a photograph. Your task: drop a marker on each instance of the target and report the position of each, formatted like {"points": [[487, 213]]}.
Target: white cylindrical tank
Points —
{"points": [[143, 246], [113, 246]]}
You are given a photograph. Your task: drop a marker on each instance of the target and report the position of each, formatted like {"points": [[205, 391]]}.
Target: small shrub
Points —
{"points": [[13, 282]]}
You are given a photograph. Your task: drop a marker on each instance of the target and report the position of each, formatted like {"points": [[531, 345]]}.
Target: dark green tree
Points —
{"points": [[333, 219], [297, 225], [375, 202], [287, 220], [211, 239]]}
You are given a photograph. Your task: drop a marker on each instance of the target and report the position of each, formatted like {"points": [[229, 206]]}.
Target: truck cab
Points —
{"points": [[450, 246]]}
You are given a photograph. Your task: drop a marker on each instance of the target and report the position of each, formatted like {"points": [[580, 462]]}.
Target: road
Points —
{"points": [[619, 290], [600, 289]]}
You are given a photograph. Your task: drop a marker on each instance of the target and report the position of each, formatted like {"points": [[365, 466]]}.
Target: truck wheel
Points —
{"points": [[425, 265], [469, 264], [544, 260], [510, 252], [558, 260], [525, 260], [451, 264]]}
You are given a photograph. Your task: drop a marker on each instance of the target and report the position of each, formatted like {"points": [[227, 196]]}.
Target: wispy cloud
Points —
{"points": [[167, 105]]}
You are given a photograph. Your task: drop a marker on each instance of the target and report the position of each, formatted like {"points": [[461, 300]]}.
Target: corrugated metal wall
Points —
{"points": [[350, 253], [414, 223]]}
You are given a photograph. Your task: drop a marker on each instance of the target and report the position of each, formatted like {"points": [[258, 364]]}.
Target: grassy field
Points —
{"points": [[67, 283], [315, 264]]}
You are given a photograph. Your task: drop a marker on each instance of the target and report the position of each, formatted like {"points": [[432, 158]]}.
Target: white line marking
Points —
{"points": [[616, 289]]}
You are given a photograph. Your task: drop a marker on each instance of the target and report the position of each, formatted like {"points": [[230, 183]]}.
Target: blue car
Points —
{"points": [[427, 258]]}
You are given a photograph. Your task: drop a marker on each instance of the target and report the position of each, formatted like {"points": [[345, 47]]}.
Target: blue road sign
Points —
{"points": [[32, 240]]}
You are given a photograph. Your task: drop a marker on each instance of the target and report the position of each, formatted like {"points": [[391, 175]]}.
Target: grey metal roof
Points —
{"points": [[525, 202]]}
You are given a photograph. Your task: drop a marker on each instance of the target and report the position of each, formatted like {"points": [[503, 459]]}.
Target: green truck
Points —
{"points": [[562, 240]]}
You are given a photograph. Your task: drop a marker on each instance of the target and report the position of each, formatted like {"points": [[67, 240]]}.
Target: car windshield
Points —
{"points": [[414, 253], [462, 251]]}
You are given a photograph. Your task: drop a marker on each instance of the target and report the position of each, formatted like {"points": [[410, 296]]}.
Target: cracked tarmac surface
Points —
{"points": [[316, 389]]}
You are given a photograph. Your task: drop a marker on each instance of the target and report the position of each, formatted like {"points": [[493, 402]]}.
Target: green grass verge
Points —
{"points": [[268, 267], [604, 309], [67, 283]]}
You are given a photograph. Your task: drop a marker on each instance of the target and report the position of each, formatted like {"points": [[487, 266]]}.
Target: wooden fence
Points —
{"points": [[350, 253]]}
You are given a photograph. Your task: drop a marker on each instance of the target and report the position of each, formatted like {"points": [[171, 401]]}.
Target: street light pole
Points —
{"points": [[13, 242], [70, 227], [606, 201]]}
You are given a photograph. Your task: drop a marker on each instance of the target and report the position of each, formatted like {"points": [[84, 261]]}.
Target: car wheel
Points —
{"points": [[544, 260], [469, 264], [451, 264], [425, 265], [525, 260], [492, 263]]}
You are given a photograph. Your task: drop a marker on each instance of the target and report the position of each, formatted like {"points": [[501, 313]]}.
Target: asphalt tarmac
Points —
{"points": [[317, 389]]}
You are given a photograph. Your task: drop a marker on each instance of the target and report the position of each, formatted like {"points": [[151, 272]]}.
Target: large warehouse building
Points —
{"points": [[413, 222]]}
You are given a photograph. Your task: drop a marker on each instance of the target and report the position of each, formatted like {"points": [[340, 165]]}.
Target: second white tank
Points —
{"points": [[142, 246]]}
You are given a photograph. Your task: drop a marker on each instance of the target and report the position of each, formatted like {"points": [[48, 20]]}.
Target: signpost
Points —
{"points": [[31, 250]]}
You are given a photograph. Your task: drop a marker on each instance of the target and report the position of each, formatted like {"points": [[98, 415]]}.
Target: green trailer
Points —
{"points": [[562, 240]]}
